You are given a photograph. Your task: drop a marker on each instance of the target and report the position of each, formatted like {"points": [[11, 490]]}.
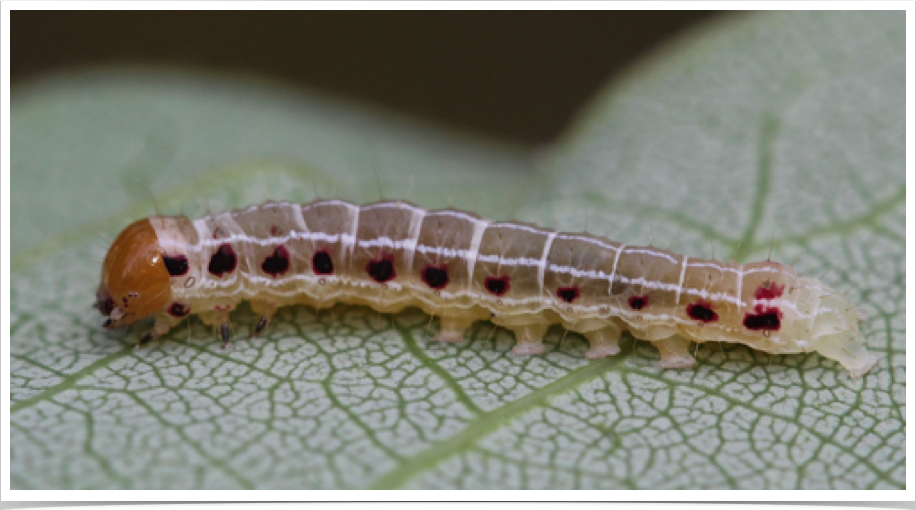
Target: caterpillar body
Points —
{"points": [[452, 264]]}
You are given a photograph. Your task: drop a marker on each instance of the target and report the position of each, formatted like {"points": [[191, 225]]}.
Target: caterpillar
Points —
{"points": [[392, 255]]}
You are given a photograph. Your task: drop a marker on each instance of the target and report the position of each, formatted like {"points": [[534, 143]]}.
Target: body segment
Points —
{"points": [[461, 268]]}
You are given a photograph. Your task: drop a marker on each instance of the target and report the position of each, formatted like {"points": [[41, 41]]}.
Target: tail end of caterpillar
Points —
{"points": [[135, 283], [849, 350], [836, 333]]}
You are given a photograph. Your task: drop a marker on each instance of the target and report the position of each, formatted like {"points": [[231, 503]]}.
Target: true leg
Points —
{"points": [[164, 322], [265, 311], [219, 320]]}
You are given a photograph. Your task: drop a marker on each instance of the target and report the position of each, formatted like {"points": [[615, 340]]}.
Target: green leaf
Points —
{"points": [[774, 130]]}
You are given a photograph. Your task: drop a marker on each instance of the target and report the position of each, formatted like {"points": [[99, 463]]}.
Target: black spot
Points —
{"points": [[638, 302], [177, 265], [497, 285], [381, 270], [179, 310], [568, 294], [702, 311], [768, 320], [435, 276], [322, 263], [103, 301], [223, 261], [277, 263]]}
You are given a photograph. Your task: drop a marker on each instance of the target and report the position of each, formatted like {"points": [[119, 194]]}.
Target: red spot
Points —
{"points": [[496, 285], [763, 319], [638, 302], [702, 311], [568, 294], [435, 276], [769, 290], [274, 230]]}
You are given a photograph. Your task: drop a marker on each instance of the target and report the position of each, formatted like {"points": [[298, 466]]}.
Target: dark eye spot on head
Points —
{"points": [[638, 302], [322, 263], [496, 285], [179, 310], [223, 261], [702, 311], [277, 263], [435, 276], [177, 265], [381, 270], [764, 320], [568, 294]]}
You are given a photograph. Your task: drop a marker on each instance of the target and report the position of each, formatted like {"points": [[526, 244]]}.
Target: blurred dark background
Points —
{"points": [[519, 76]]}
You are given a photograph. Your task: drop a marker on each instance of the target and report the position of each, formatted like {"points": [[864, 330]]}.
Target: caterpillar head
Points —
{"points": [[135, 282]]}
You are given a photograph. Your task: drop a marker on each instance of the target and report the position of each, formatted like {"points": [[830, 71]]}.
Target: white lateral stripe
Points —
{"points": [[387, 242], [442, 251], [511, 262], [269, 241], [580, 273]]}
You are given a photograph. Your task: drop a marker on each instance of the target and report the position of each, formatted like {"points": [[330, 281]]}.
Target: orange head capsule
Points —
{"points": [[135, 282]]}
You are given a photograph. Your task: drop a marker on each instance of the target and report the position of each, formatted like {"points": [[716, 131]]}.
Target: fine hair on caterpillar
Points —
{"points": [[391, 255]]}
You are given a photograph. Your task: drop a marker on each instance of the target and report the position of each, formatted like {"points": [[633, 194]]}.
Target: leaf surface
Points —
{"points": [[780, 131]]}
